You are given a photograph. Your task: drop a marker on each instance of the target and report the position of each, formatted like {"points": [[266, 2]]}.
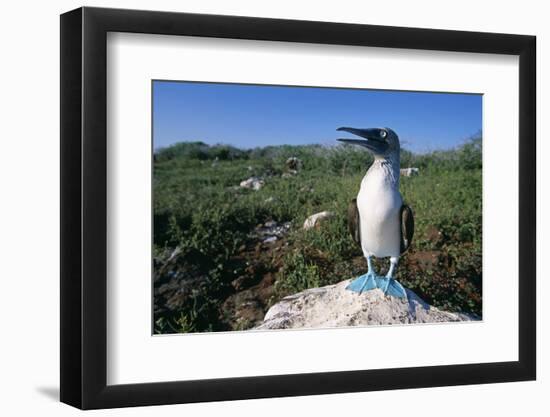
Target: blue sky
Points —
{"points": [[249, 116]]}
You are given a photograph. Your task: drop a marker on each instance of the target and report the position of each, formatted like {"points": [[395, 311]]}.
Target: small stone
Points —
{"points": [[174, 254], [409, 172], [253, 183], [316, 219], [270, 223], [294, 164]]}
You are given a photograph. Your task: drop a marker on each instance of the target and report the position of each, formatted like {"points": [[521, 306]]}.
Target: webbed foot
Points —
{"points": [[363, 283], [391, 287]]}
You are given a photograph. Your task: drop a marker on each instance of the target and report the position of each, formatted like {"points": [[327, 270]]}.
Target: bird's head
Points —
{"points": [[382, 142]]}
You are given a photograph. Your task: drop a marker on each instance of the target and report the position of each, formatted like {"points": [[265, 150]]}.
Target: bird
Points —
{"points": [[379, 222]]}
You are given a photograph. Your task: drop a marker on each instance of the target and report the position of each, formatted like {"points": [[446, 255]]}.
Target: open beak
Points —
{"points": [[374, 139]]}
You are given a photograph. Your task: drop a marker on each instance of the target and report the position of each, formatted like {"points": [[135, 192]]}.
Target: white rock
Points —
{"points": [[253, 183], [409, 172], [174, 254], [314, 219], [294, 164], [334, 306]]}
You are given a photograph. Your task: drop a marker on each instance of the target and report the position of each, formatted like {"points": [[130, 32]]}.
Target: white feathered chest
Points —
{"points": [[379, 203]]}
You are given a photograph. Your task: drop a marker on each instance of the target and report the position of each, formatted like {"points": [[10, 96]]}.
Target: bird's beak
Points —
{"points": [[375, 138]]}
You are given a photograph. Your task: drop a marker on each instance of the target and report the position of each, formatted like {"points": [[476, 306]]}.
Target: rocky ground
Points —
{"points": [[246, 300]]}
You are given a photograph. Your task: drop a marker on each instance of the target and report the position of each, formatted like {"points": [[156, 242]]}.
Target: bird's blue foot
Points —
{"points": [[391, 287], [363, 283]]}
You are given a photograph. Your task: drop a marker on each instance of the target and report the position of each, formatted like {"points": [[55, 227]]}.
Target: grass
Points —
{"points": [[199, 209]]}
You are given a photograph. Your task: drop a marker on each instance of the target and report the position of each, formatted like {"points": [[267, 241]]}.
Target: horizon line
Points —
{"points": [[326, 145]]}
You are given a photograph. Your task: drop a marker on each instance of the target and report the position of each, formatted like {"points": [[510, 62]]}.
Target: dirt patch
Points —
{"points": [[247, 308], [434, 235], [253, 290], [425, 259]]}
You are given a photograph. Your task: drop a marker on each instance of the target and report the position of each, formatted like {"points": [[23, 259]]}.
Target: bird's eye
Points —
{"points": [[383, 134]]}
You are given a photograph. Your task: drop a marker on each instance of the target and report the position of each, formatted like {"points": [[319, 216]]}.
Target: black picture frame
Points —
{"points": [[84, 207]]}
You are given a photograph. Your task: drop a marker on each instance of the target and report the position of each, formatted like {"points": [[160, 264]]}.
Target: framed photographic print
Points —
{"points": [[257, 207]]}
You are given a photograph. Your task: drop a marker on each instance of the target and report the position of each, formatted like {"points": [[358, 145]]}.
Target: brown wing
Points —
{"points": [[353, 221], [407, 227]]}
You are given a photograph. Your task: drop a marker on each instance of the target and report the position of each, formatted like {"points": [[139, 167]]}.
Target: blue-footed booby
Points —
{"points": [[378, 220]]}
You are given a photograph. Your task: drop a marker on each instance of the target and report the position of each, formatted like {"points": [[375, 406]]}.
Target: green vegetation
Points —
{"points": [[200, 210]]}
